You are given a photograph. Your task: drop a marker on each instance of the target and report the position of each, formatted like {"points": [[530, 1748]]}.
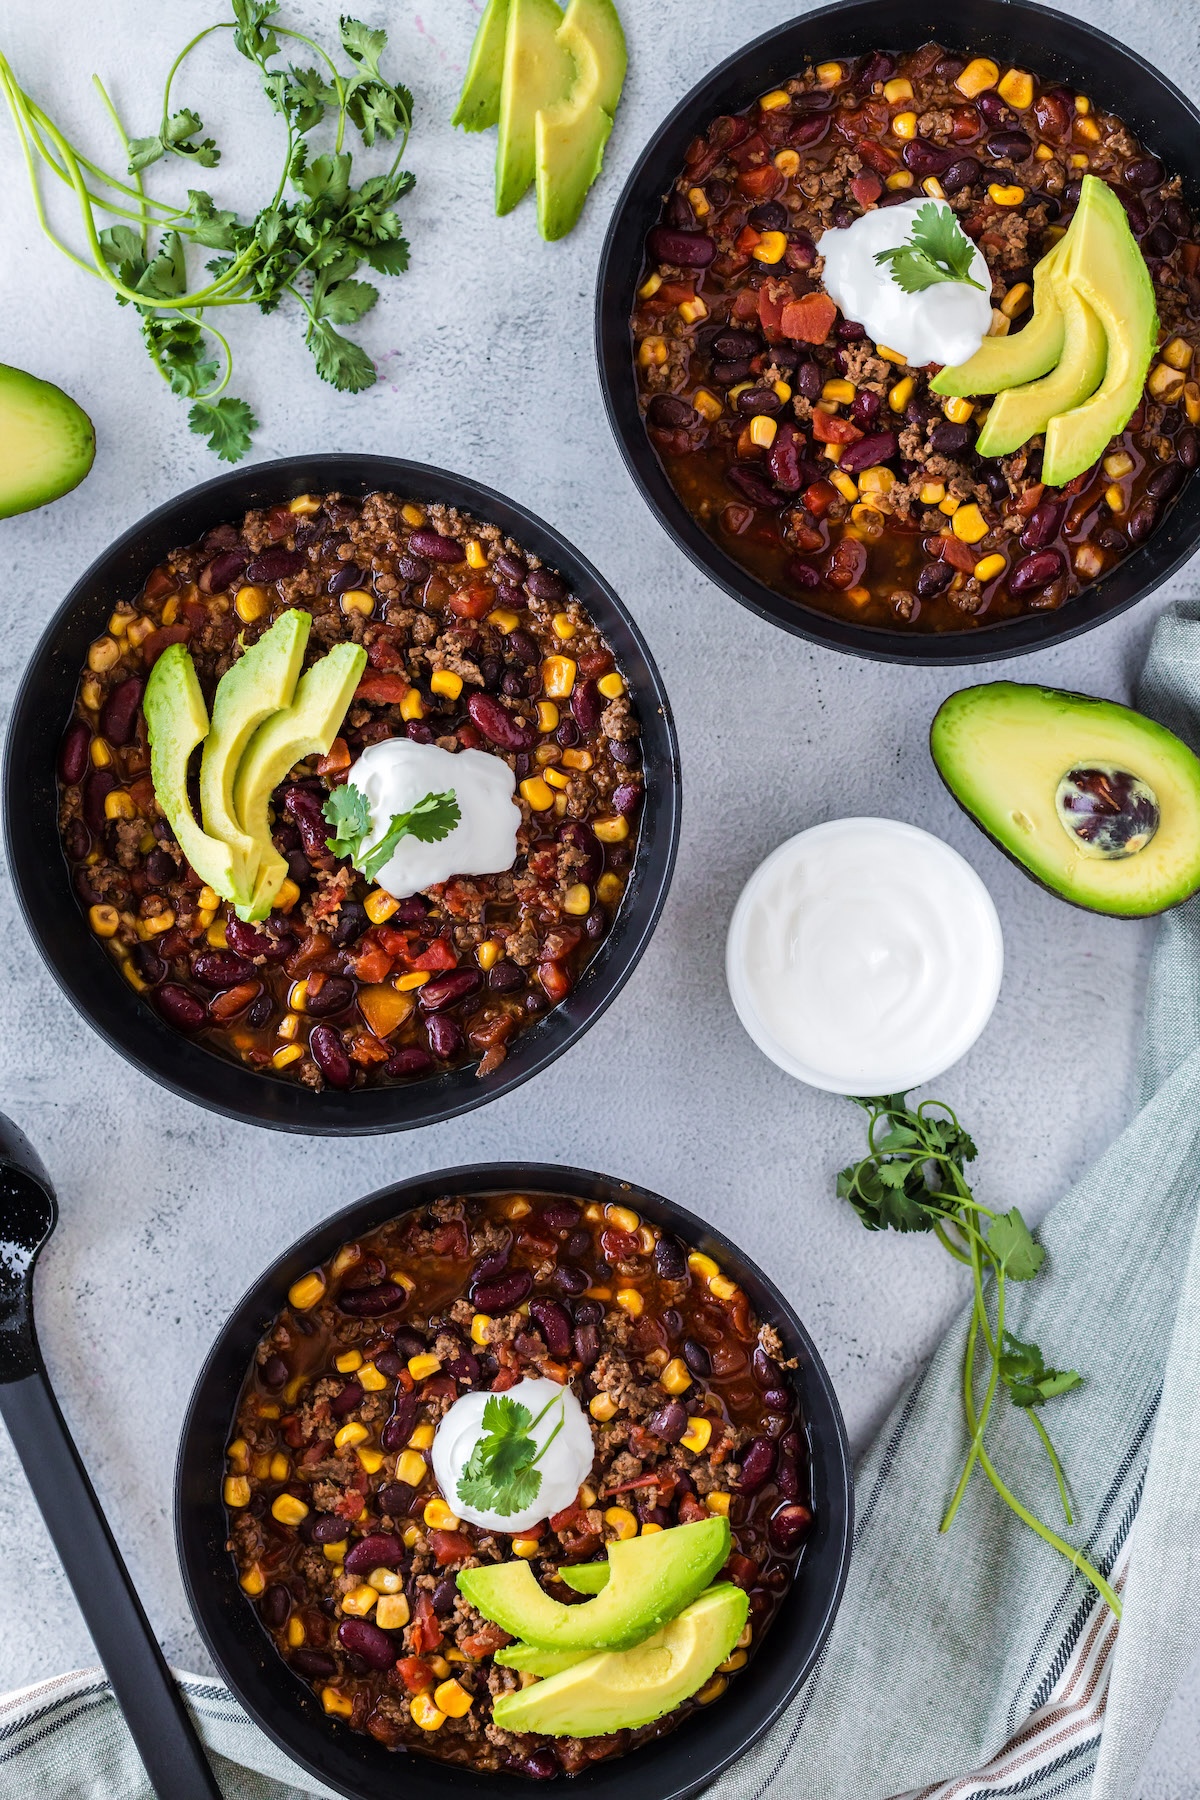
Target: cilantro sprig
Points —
{"points": [[935, 250], [304, 245], [347, 811], [912, 1179], [502, 1474]]}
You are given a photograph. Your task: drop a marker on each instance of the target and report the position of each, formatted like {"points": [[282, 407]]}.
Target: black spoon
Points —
{"points": [[144, 1687]]}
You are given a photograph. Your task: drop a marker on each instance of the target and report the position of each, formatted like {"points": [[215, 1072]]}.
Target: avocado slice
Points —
{"points": [[261, 682], [1093, 800], [586, 1578], [47, 443], [652, 1579], [1005, 362], [1104, 264], [571, 135], [618, 1690], [176, 721], [305, 728], [538, 72], [1019, 412], [479, 103], [531, 1659]]}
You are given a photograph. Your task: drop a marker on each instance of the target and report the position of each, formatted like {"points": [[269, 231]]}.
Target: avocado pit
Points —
{"points": [[1108, 812]]}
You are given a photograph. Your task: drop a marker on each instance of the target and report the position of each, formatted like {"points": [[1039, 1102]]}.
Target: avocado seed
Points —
{"points": [[1107, 811]]}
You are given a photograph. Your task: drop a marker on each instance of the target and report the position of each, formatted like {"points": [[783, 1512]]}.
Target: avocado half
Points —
{"points": [[1098, 803], [47, 444]]}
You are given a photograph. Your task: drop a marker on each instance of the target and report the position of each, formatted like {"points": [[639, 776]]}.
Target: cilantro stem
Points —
{"points": [[1059, 1477]]}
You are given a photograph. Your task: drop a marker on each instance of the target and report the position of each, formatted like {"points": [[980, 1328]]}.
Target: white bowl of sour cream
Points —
{"points": [[864, 956]]}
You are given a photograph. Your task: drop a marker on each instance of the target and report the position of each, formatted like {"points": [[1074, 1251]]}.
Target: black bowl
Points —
{"points": [[86, 973], [1017, 32], [354, 1764]]}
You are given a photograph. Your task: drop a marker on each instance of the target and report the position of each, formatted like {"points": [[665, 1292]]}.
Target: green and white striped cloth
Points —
{"points": [[960, 1667]]}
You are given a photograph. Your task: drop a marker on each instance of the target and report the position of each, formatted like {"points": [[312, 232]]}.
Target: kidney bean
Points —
{"points": [[787, 1477], [447, 990], [327, 1528], [388, 1363], [334, 995], [400, 1426], [346, 575], [866, 407], [1178, 217], [1043, 525], [571, 1280], [801, 253], [378, 1550], [221, 968], [394, 1499], [274, 1372], [1145, 172], [879, 447], [151, 966], [554, 1324], [444, 1596], [431, 546], [412, 568], [999, 116], [1142, 520], [504, 1293], [1187, 448], [244, 940], [925, 159], [540, 1765], [758, 1465], [947, 439], [511, 567], [1160, 241], [366, 1640], [1009, 146], [488, 1267], [275, 565], [77, 840], [179, 1008], [275, 1605], [498, 725], [369, 1302], [411, 1060], [465, 1368], [759, 400], [669, 1423], [585, 1341], [750, 481], [668, 412], [961, 174], [1163, 483], [561, 1215], [445, 1035], [586, 705], [345, 1402], [578, 1244], [688, 249], [802, 573], [783, 460], [73, 754], [316, 1664], [1054, 111], [1035, 572], [118, 715], [788, 1528], [505, 977], [879, 66], [97, 783], [696, 1357], [767, 1372], [544, 584]]}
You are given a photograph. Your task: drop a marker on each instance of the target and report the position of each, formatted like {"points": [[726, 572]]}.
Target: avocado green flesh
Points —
{"points": [[1020, 412], [47, 443], [1008, 362], [1002, 749], [1103, 263], [586, 1578], [260, 683], [538, 73], [652, 1579], [479, 103], [571, 135], [531, 1659], [621, 1689], [305, 728], [176, 721]]}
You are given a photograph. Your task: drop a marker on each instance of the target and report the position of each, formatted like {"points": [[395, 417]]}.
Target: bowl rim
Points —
{"points": [[123, 1019], [219, 1383], [1159, 556]]}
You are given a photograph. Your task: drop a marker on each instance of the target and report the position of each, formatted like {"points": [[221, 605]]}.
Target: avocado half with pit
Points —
{"points": [[1098, 803], [47, 443]]}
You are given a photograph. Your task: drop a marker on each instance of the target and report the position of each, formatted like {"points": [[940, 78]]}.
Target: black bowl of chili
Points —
{"points": [[1058, 48], [60, 925], [353, 1763]]}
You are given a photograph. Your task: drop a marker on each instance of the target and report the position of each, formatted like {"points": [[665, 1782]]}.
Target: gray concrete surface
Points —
{"points": [[486, 363]]}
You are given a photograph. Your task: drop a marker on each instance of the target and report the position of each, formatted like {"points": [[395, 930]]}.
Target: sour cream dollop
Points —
{"points": [[864, 956], [563, 1467], [397, 773], [945, 323]]}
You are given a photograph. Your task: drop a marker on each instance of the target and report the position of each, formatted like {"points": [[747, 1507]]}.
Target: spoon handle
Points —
{"points": [[144, 1687]]}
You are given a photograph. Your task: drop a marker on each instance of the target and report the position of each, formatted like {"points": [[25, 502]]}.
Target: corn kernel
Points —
{"points": [[386, 1581], [357, 600], [287, 1053], [424, 1364], [622, 1521], [1005, 196], [703, 1266], [781, 391], [1016, 300], [100, 753], [525, 1547], [578, 900], [104, 920], [838, 390], [547, 715], [279, 1468], [762, 431], [453, 1699], [236, 1491], [371, 1378], [360, 1600], [652, 352], [899, 178], [649, 1528], [289, 1025], [900, 395], [422, 1437], [425, 1713], [238, 1454], [392, 1612], [970, 524], [787, 162], [829, 73], [1114, 499], [251, 603], [91, 693], [438, 1515], [949, 505], [898, 88], [304, 1294], [650, 286], [415, 978], [536, 793], [958, 409], [698, 201], [1043, 153], [612, 685], [412, 706], [706, 404], [988, 567], [558, 676], [736, 1661], [932, 492], [721, 1288], [119, 623], [1079, 160], [676, 1377], [602, 1407], [1117, 464], [410, 1467], [1016, 87], [697, 1435], [1178, 353], [904, 125], [379, 904], [288, 1510], [348, 1361], [410, 1534], [980, 74], [739, 387], [287, 896], [336, 1553], [609, 888], [1087, 128], [337, 1705], [103, 654], [350, 1434], [717, 1502], [933, 187], [305, 505], [770, 247], [1165, 383], [693, 310], [611, 831], [630, 1301], [479, 1328], [476, 554], [775, 100], [503, 619], [446, 683], [1191, 401], [295, 1632], [487, 954]]}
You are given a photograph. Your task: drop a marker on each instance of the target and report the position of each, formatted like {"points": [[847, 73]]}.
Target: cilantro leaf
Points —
{"points": [[1012, 1243], [253, 34], [1030, 1382], [361, 44], [501, 1474], [348, 812], [178, 348], [344, 364], [226, 423], [937, 250], [208, 225]]}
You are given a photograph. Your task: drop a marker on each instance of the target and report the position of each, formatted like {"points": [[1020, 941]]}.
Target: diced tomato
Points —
{"points": [[1030, 498], [469, 737], [760, 184], [142, 793], [770, 312], [570, 1515], [335, 759], [956, 553], [829, 428], [440, 955], [388, 690], [690, 1509], [749, 152], [367, 1049], [745, 304], [555, 980], [472, 602], [395, 942], [160, 640], [384, 654], [670, 295], [809, 319], [504, 1378], [416, 1674], [866, 189], [746, 239], [426, 1630], [1189, 255], [451, 1546], [450, 1239], [280, 520], [639, 1481], [878, 156], [819, 498], [234, 1000], [373, 964], [488, 1638], [742, 1571], [161, 582]]}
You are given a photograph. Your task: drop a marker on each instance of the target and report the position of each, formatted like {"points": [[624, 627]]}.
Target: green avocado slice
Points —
{"points": [[305, 728], [586, 1578], [261, 682], [652, 1579], [621, 1689], [531, 1659], [538, 72], [1020, 412], [479, 103], [1106, 267], [176, 721], [1006, 751], [47, 443], [1006, 362], [571, 135]]}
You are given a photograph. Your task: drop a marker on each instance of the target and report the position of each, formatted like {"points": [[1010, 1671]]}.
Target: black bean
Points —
{"points": [[669, 1423], [696, 1357], [946, 438], [670, 1259]]}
